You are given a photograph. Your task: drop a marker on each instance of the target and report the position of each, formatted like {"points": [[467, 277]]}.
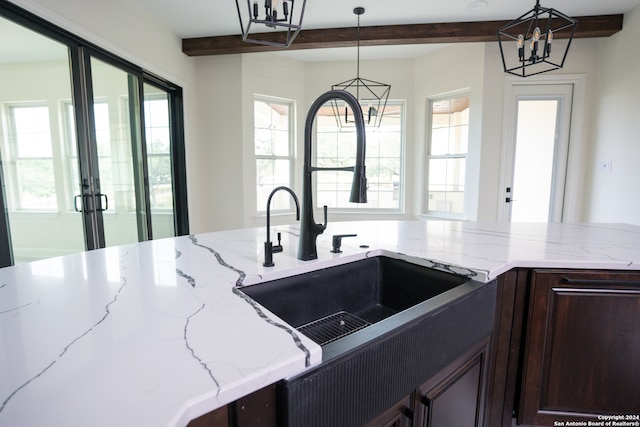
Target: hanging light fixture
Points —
{"points": [[527, 41], [284, 15], [372, 95]]}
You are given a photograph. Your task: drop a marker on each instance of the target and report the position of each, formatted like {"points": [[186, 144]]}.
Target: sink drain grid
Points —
{"points": [[332, 327]]}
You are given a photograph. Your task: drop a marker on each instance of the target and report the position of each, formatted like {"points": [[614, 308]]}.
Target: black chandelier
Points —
{"points": [[533, 34], [283, 15], [372, 95]]}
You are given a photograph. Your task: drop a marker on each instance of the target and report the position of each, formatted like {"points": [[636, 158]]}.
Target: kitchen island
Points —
{"points": [[158, 333]]}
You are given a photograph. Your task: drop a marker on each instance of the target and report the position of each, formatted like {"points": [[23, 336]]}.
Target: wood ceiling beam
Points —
{"points": [[449, 32]]}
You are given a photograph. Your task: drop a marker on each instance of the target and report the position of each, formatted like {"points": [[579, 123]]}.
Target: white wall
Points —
{"points": [[218, 189], [615, 129], [218, 93], [122, 27]]}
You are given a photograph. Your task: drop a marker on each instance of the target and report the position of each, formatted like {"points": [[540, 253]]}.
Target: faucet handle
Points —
{"points": [[278, 247], [337, 242]]}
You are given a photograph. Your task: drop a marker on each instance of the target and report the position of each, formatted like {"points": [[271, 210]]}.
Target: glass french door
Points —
{"points": [[39, 164], [116, 165], [91, 147], [536, 164], [158, 127]]}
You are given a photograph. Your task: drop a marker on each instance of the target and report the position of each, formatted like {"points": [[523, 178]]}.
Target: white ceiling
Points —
{"points": [[202, 18]]}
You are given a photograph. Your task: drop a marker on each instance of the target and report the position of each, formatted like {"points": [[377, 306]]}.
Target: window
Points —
{"points": [[273, 124], [336, 147], [105, 160], [446, 155], [158, 137], [31, 149]]}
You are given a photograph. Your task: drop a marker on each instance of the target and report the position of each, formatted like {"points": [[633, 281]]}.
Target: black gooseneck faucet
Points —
{"points": [[268, 245], [309, 230]]}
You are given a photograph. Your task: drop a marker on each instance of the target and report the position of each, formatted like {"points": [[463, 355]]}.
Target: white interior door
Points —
{"points": [[536, 150]]}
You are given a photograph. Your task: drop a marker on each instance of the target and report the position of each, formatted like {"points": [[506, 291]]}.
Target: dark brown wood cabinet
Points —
{"points": [[257, 409], [566, 347], [217, 418], [399, 415], [582, 351], [455, 397], [452, 397]]}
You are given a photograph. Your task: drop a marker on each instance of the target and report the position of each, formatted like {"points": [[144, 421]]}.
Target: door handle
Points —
{"points": [[409, 413], [99, 203], [86, 203], [509, 199]]}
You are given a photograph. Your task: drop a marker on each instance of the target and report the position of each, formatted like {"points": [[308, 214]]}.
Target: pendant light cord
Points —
{"points": [[358, 62]]}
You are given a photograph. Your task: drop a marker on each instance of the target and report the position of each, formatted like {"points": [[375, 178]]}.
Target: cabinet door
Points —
{"points": [[217, 418], [582, 354], [257, 409], [455, 396], [399, 415]]}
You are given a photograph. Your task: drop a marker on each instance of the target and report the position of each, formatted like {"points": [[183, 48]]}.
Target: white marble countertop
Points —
{"points": [[156, 333]]}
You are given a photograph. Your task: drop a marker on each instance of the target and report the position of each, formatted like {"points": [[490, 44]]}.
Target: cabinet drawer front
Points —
{"points": [[583, 347]]}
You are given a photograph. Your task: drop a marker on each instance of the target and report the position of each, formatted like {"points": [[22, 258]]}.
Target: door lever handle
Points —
{"points": [[106, 202]]}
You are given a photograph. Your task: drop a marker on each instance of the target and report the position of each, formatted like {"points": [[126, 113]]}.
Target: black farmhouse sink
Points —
{"points": [[331, 303], [385, 326]]}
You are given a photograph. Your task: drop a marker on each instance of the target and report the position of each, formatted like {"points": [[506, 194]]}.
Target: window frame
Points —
{"points": [[15, 159], [261, 210], [151, 154], [362, 208], [428, 156]]}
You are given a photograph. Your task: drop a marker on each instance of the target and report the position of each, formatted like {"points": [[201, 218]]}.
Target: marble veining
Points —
{"points": [[107, 312], [450, 268], [180, 273], [192, 282], [241, 274], [283, 326], [253, 304], [160, 332], [16, 308], [193, 352]]}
